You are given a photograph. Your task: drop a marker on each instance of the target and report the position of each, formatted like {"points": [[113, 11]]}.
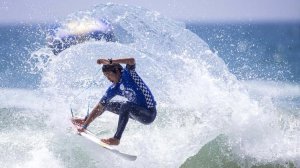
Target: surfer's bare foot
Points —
{"points": [[111, 141]]}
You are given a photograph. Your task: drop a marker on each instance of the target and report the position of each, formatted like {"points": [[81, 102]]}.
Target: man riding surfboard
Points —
{"points": [[140, 104]]}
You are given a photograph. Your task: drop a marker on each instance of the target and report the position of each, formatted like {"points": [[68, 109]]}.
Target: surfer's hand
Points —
{"points": [[80, 129], [78, 121], [103, 61]]}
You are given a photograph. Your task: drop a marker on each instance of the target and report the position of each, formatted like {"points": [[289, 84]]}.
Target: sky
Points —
{"points": [[23, 11]]}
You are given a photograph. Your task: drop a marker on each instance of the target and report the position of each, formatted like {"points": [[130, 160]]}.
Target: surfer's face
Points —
{"points": [[113, 77]]}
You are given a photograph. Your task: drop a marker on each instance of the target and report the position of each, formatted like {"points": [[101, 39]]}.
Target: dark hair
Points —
{"points": [[112, 68]]}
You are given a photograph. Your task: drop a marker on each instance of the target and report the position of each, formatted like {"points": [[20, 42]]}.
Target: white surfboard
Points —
{"points": [[93, 138]]}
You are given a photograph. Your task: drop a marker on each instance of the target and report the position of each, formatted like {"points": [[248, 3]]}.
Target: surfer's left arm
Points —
{"points": [[129, 61]]}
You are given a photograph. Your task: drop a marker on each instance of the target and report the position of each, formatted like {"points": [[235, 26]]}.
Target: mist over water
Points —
{"points": [[198, 100]]}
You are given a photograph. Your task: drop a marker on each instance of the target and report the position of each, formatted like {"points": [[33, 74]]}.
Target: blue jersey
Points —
{"points": [[132, 87]]}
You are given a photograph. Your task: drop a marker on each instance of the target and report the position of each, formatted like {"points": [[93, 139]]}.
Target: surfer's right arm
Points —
{"points": [[97, 111], [99, 108]]}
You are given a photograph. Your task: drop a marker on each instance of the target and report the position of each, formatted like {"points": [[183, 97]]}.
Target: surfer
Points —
{"points": [[140, 104]]}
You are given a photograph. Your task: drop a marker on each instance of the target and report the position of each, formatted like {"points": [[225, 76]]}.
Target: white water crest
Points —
{"points": [[198, 98]]}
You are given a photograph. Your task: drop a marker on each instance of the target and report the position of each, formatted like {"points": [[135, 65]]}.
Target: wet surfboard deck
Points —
{"points": [[88, 135]]}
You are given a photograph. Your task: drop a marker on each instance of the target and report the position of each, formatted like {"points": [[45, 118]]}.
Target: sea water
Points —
{"points": [[227, 94]]}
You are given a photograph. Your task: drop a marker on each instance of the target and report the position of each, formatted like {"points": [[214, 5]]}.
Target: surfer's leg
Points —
{"points": [[142, 114], [123, 119], [127, 110], [114, 107]]}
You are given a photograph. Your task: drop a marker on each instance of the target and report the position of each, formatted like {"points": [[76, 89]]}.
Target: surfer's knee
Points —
{"points": [[124, 109]]}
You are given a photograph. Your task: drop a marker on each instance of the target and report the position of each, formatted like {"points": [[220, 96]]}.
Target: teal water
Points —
{"points": [[218, 153]]}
